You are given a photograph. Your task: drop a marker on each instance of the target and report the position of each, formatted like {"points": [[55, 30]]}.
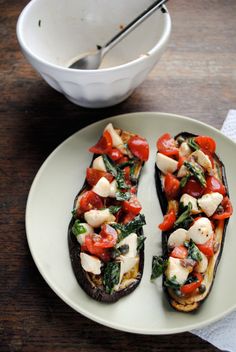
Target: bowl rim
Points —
{"points": [[20, 36]]}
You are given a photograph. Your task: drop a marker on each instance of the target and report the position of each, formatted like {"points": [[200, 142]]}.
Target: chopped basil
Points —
{"points": [[111, 276], [77, 228], [132, 226], [133, 177], [193, 145], [159, 265], [185, 219], [196, 171], [113, 209], [123, 196], [126, 163], [140, 240], [120, 179], [184, 180], [109, 165], [193, 252], [172, 283]]}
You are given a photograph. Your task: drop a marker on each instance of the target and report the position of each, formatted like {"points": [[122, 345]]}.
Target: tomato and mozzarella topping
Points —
{"points": [[107, 212], [197, 201]]}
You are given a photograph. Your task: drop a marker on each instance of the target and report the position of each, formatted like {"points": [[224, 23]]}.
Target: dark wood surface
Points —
{"points": [[195, 77]]}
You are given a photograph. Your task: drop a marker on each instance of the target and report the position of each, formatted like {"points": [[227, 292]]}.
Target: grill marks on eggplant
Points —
{"points": [[192, 302], [93, 284]]}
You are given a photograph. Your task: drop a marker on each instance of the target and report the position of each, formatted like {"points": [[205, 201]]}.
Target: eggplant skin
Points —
{"points": [[173, 300], [98, 293]]}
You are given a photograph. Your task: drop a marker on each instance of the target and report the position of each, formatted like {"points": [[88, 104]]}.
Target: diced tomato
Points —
{"points": [[171, 186], [104, 145], [128, 217], [139, 147], [207, 247], [93, 176], [180, 252], [206, 143], [132, 205], [107, 237], [227, 210], [90, 200], [214, 185], [133, 190], [115, 154], [167, 145], [126, 172], [122, 160], [190, 288], [181, 161], [90, 247], [193, 188], [168, 221]]}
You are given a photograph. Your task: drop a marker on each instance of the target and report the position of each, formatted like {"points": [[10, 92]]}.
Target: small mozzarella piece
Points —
{"points": [[201, 266], [177, 238], [81, 237], [209, 202], [98, 164], [116, 139], [186, 198], [200, 231], [102, 187], [202, 159], [166, 164], [183, 171], [113, 189], [90, 264], [132, 242], [184, 149], [96, 218], [175, 268]]}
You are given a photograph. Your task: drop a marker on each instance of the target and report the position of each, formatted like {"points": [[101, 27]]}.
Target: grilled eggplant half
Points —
{"points": [[193, 193], [105, 235]]}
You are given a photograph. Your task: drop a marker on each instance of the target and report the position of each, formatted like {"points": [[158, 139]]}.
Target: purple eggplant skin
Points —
{"points": [[165, 234], [98, 293]]}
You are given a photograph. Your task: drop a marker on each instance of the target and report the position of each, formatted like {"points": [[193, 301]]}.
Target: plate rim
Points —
{"points": [[59, 293]]}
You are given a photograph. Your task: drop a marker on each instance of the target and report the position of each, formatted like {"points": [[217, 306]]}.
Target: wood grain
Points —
{"points": [[195, 77]]}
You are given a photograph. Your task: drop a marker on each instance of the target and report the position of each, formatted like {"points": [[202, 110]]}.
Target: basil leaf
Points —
{"points": [[123, 196], [132, 226], [126, 163], [172, 283], [184, 180], [111, 276], [110, 167], [120, 179], [140, 244], [185, 219], [158, 266], [193, 252], [193, 145], [113, 209], [77, 228], [196, 171]]}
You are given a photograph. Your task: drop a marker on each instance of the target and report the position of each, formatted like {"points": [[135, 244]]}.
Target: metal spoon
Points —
{"points": [[93, 60]]}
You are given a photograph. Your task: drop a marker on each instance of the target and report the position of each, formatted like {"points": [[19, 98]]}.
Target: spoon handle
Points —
{"points": [[132, 25]]}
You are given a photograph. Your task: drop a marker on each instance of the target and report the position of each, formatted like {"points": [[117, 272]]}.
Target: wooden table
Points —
{"points": [[195, 77]]}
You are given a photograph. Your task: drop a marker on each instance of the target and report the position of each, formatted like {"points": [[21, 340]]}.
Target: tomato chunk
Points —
{"points": [[207, 248], [128, 217], [168, 221], [166, 145], [190, 288], [214, 185], [107, 237], [115, 154], [104, 145], [132, 205], [90, 200], [171, 186], [90, 247], [93, 176], [226, 211], [180, 252], [139, 147], [206, 143], [193, 188]]}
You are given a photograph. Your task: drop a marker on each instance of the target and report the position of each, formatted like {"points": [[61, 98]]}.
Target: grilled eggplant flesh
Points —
{"points": [[179, 298], [95, 283]]}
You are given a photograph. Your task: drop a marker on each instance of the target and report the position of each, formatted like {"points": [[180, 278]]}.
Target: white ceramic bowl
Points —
{"points": [[51, 33]]}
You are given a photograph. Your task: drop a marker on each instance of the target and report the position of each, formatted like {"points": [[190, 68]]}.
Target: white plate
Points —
{"points": [[48, 213]]}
